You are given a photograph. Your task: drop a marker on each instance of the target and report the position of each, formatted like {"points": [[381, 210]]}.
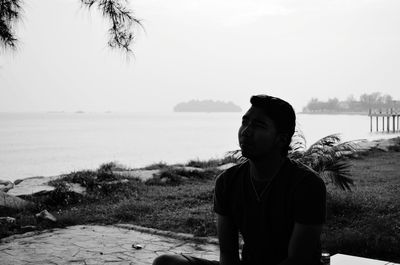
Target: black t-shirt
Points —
{"points": [[296, 194]]}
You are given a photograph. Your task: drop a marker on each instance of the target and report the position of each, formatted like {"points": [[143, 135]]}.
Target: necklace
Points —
{"points": [[259, 196]]}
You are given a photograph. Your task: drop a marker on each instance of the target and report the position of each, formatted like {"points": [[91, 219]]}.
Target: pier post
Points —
{"points": [[398, 119], [388, 123], [370, 122], [390, 126]]}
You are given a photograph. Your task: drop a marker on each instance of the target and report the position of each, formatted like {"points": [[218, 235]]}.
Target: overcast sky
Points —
{"points": [[202, 49]]}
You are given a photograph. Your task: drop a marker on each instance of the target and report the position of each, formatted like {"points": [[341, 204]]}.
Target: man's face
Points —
{"points": [[258, 135]]}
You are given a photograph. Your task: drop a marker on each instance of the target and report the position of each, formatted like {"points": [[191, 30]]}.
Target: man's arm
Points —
{"points": [[228, 237], [303, 243]]}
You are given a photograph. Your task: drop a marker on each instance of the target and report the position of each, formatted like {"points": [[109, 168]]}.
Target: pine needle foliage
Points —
{"points": [[10, 11], [122, 21], [121, 18]]}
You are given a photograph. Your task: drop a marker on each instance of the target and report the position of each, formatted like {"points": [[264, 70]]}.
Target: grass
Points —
{"points": [[363, 222], [366, 221]]}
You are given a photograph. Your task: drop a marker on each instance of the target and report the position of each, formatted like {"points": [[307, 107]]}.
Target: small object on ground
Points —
{"points": [[7, 220], [325, 258], [137, 246], [45, 215], [28, 228]]}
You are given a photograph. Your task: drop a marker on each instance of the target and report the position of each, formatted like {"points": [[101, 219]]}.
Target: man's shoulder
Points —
{"points": [[304, 174], [233, 172], [300, 168]]}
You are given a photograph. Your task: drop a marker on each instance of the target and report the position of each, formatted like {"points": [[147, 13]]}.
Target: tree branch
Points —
{"points": [[121, 19]]}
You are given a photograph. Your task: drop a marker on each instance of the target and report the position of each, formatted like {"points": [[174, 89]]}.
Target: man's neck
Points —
{"points": [[266, 168]]}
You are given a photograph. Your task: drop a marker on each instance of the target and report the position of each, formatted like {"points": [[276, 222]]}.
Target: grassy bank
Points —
{"points": [[366, 221], [363, 222]]}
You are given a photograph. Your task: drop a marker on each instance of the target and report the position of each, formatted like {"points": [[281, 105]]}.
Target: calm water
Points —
{"points": [[45, 144]]}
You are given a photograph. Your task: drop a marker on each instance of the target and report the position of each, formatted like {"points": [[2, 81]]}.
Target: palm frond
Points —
{"points": [[324, 144], [348, 148], [328, 157], [236, 155], [338, 173], [298, 142]]}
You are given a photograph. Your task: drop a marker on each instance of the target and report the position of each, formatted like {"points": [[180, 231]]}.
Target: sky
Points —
{"points": [[201, 49]]}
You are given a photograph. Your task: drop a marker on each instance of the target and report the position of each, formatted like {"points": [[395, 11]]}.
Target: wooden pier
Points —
{"points": [[391, 116]]}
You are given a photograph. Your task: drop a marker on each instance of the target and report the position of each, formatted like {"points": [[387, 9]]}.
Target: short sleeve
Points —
{"points": [[310, 201], [221, 195]]}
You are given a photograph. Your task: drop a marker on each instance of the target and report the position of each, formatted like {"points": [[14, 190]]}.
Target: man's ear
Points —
{"points": [[283, 139]]}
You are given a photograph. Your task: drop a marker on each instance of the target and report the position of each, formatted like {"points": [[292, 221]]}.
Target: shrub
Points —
{"points": [[229, 158], [177, 176], [160, 165]]}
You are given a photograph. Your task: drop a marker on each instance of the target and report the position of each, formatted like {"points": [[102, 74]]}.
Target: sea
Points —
{"points": [[49, 144]]}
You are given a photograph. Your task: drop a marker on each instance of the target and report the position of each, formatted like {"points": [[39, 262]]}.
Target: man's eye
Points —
{"points": [[260, 125]]}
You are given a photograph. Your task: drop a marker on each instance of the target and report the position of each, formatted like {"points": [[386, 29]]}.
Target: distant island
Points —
{"points": [[374, 101], [206, 106]]}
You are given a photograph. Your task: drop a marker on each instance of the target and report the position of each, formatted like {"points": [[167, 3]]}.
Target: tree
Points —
{"points": [[314, 105], [387, 100], [121, 31], [332, 104], [371, 100]]}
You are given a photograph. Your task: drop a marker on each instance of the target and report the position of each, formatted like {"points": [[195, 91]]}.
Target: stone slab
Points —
{"points": [[95, 245]]}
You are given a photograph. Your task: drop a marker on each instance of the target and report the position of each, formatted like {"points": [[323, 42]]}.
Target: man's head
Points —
{"points": [[267, 127]]}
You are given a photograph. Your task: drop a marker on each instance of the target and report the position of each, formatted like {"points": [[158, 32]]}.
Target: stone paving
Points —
{"points": [[99, 245]]}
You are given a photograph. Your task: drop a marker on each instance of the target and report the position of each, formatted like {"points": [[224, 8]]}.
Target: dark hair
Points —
{"points": [[280, 111]]}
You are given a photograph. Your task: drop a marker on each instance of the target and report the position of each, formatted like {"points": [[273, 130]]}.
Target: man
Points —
{"points": [[277, 205]]}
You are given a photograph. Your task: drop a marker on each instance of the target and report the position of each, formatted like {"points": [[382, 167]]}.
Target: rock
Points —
{"points": [[13, 202], [17, 181], [226, 166], [30, 186], [45, 216], [142, 174], [187, 168], [6, 185], [77, 188], [121, 181], [7, 221], [37, 185], [164, 180]]}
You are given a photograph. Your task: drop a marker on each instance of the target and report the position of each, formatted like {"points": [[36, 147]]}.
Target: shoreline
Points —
{"points": [[166, 202], [335, 113], [383, 144], [146, 172]]}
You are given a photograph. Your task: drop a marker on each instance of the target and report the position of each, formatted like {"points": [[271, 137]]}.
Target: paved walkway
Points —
{"points": [[98, 245]]}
